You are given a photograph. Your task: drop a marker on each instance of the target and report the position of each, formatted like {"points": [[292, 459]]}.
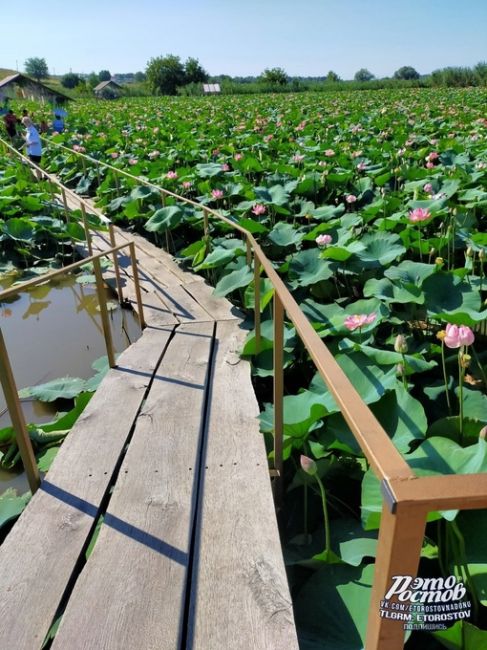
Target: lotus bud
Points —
{"points": [[432, 251], [400, 370], [465, 360], [469, 252], [483, 432], [481, 254], [400, 344], [308, 465], [439, 261]]}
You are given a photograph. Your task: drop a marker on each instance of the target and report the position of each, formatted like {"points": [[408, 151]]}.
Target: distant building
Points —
{"points": [[19, 86], [108, 90], [209, 89]]}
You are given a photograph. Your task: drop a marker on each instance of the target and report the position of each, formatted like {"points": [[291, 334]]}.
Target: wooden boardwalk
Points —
{"points": [[168, 465]]}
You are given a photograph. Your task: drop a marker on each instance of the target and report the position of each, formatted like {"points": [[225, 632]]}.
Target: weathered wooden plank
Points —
{"points": [[218, 308], [183, 305], [131, 592], [239, 598], [39, 554]]}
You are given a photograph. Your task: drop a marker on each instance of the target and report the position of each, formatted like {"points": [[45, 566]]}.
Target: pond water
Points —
{"points": [[51, 331]]}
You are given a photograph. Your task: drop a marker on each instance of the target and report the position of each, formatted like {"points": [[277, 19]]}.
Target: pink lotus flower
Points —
{"points": [[350, 198], [323, 240], [259, 209], [132, 161], [238, 156], [430, 165], [78, 148], [456, 336], [434, 155], [359, 320], [361, 166], [268, 138], [329, 153], [215, 152], [225, 167], [155, 129], [172, 175], [187, 184], [308, 465], [114, 154], [419, 214], [217, 194], [298, 157], [428, 188], [356, 154], [154, 154]]}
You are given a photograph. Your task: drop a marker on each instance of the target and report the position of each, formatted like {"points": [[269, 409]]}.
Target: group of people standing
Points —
{"points": [[32, 132]]}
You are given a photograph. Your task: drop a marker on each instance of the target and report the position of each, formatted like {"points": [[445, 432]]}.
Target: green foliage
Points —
{"points": [[274, 76], [37, 68], [363, 75], [406, 72], [193, 72], [104, 75], [332, 77], [71, 80], [165, 74]]}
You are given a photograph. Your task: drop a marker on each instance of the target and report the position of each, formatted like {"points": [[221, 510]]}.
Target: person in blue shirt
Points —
{"points": [[58, 124]]}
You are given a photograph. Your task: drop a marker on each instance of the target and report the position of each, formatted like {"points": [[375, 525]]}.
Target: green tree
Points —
{"points": [[481, 72], [406, 72], [363, 75], [165, 74], [104, 75], [332, 77], [139, 77], [194, 72], [275, 76], [93, 80], [71, 80], [37, 68]]}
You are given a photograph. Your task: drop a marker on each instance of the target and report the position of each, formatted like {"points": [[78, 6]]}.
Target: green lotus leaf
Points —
{"points": [[307, 268], [165, 219]]}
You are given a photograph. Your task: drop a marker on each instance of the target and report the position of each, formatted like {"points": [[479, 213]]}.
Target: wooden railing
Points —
{"points": [[407, 498]]}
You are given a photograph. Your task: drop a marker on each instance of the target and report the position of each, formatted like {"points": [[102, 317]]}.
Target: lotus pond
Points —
{"points": [[372, 208]]}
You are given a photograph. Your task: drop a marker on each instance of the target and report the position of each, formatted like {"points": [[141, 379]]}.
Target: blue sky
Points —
{"points": [[243, 37]]}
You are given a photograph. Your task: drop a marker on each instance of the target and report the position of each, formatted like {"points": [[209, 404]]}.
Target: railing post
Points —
{"points": [[205, 222], [135, 272], [107, 332], [401, 537], [16, 415], [248, 251], [113, 243], [257, 302], [117, 184], [65, 202], [86, 227], [278, 392]]}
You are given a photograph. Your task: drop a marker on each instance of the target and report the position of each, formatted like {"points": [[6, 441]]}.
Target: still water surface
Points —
{"points": [[51, 331]]}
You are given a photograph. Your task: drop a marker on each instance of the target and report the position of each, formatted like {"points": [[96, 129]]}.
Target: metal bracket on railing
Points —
{"points": [[388, 495]]}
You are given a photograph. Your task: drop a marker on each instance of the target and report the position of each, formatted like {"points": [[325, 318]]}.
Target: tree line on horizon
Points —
{"points": [[168, 75]]}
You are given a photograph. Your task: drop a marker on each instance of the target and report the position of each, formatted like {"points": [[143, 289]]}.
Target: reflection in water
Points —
{"points": [[54, 330]]}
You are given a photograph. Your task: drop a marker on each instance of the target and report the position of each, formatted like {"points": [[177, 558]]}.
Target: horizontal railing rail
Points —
{"points": [[407, 497]]}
